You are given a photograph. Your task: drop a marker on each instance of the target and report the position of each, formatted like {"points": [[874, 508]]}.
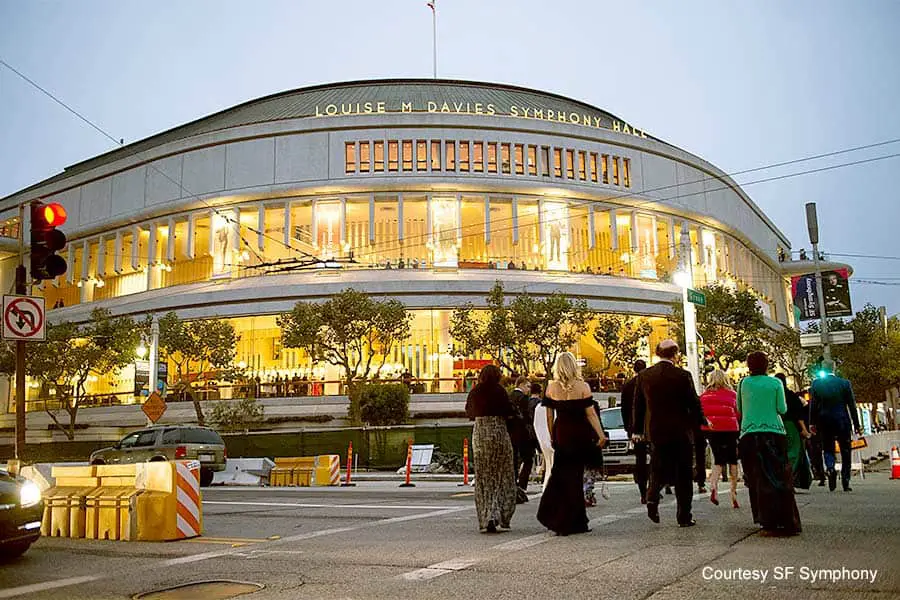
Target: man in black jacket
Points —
{"points": [[666, 402], [640, 446], [522, 436]]}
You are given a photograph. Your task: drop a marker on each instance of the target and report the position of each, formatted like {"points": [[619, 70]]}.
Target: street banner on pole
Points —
{"points": [[835, 288]]}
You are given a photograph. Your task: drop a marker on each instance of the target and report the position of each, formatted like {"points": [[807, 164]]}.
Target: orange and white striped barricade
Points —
{"points": [[328, 469]]}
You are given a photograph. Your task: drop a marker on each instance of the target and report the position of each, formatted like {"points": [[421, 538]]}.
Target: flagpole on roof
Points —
{"points": [[431, 5]]}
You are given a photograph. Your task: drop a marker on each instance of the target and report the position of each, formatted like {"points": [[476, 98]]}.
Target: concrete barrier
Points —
{"points": [[245, 471]]}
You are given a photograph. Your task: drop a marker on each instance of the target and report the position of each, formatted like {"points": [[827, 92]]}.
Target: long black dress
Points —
{"points": [[562, 507]]}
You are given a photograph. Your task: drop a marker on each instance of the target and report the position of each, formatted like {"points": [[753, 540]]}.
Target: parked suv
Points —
{"points": [[168, 442]]}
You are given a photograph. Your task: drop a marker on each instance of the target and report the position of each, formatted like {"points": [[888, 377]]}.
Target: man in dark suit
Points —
{"points": [[832, 408], [522, 436], [666, 402], [640, 446]]}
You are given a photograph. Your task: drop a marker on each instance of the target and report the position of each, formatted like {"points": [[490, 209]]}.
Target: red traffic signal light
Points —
{"points": [[54, 214], [46, 240]]}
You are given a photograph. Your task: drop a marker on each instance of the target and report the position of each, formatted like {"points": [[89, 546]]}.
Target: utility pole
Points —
{"points": [[20, 345], [433, 5], [812, 225]]}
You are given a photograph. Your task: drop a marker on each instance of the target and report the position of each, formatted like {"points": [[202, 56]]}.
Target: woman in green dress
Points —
{"points": [[797, 434]]}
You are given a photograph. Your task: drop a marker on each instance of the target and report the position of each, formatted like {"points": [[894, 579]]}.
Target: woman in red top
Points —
{"points": [[720, 408]]}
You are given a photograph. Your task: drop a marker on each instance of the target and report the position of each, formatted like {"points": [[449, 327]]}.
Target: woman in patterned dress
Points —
{"points": [[495, 486]]}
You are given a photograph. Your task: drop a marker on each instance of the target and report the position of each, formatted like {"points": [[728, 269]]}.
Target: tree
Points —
{"points": [[860, 361], [527, 330], [785, 352], [72, 353], [205, 344], [351, 331], [731, 324], [620, 337]]}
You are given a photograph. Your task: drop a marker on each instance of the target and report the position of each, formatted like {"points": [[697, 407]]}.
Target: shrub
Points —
{"points": [[379, 404], [240, 416]]}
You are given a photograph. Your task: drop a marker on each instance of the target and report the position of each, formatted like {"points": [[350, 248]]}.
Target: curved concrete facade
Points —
{"points": [[292, 149]]}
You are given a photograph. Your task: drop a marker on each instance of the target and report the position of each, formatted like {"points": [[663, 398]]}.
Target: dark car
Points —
{"points": [[168, 442], [21, 510]]}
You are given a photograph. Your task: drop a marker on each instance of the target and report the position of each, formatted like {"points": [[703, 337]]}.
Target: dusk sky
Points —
{"points": [[741, 84]]}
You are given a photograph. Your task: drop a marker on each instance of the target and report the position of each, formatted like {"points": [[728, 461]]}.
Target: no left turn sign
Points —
{"points": [[23, 318]]}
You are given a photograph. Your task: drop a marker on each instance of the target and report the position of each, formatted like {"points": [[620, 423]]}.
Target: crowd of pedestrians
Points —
{"points": [[760, 424]]}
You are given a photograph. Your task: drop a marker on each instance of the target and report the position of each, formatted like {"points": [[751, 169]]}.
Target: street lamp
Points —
{"points": [[141, 351]]}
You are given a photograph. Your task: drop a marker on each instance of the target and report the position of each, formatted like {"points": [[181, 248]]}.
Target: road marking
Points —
{"points": [[459, 564], [463, 495], [47, 585], [308, 505]]}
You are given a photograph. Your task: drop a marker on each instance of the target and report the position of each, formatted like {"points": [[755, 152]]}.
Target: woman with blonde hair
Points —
{"points": [[576, 436], [719, 403]]}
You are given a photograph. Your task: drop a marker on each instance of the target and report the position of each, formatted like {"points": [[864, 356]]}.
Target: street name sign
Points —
{"points": [[24, 318], [154, 407], [812, 340], [695, 297]]}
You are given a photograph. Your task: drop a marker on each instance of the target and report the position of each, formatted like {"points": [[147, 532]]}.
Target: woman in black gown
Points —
{"points": [[577, 436]]}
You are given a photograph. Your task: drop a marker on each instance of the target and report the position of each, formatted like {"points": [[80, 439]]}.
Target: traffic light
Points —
{"points": [[47, 240]]}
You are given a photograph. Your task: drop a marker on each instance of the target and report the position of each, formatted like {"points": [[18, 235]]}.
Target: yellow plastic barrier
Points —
{"points": [[110, 508], [65, 503], [295, 471], [170, 504], [328, 469]]}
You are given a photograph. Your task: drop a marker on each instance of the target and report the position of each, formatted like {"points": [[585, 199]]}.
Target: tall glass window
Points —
{"points": [[464, 156], [444, 231], [415, 231], [582, 165], [501, 250], [646, 247], [528, 251], [625, 265], [520, 159], [579, 238], [421, 156], [532, 160], [594, 167], [478, 157], [328, 228], [557, 162], [570, 164], [505, 158], [357, 224], [626, 172], [605, 167], [364, 158], [492, 157], [435, 155], [387, 232], [473, 247], [407, 155], [379, 156], [615, 170], [350, 157]]}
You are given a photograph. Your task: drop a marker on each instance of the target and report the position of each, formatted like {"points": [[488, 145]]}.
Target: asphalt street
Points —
{"points": [[378, 540]]}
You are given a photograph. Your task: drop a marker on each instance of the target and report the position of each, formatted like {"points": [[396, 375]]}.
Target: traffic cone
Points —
{"points": [[895, 463]]}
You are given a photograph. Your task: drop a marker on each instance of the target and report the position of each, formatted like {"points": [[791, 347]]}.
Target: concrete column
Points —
{"points": [[170, 241], [487, 220], [136, 247], [591, 235], [190, 250], [343, 222], [287, 224], [101, 257], [315, 223], [400, 217], [117, 253], [613, 230], [445, 356], [261, 227], [515, 220], [372, 217]]}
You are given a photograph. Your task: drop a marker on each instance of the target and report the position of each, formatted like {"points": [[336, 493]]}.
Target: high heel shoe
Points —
{"points": [[734, 502], [714, 496]]}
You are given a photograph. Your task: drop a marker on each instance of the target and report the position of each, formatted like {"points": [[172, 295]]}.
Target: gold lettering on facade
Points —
{"points": [[476, 108]]}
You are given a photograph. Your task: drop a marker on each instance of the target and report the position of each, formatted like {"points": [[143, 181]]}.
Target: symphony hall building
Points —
{"points": [[426, 191]]}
